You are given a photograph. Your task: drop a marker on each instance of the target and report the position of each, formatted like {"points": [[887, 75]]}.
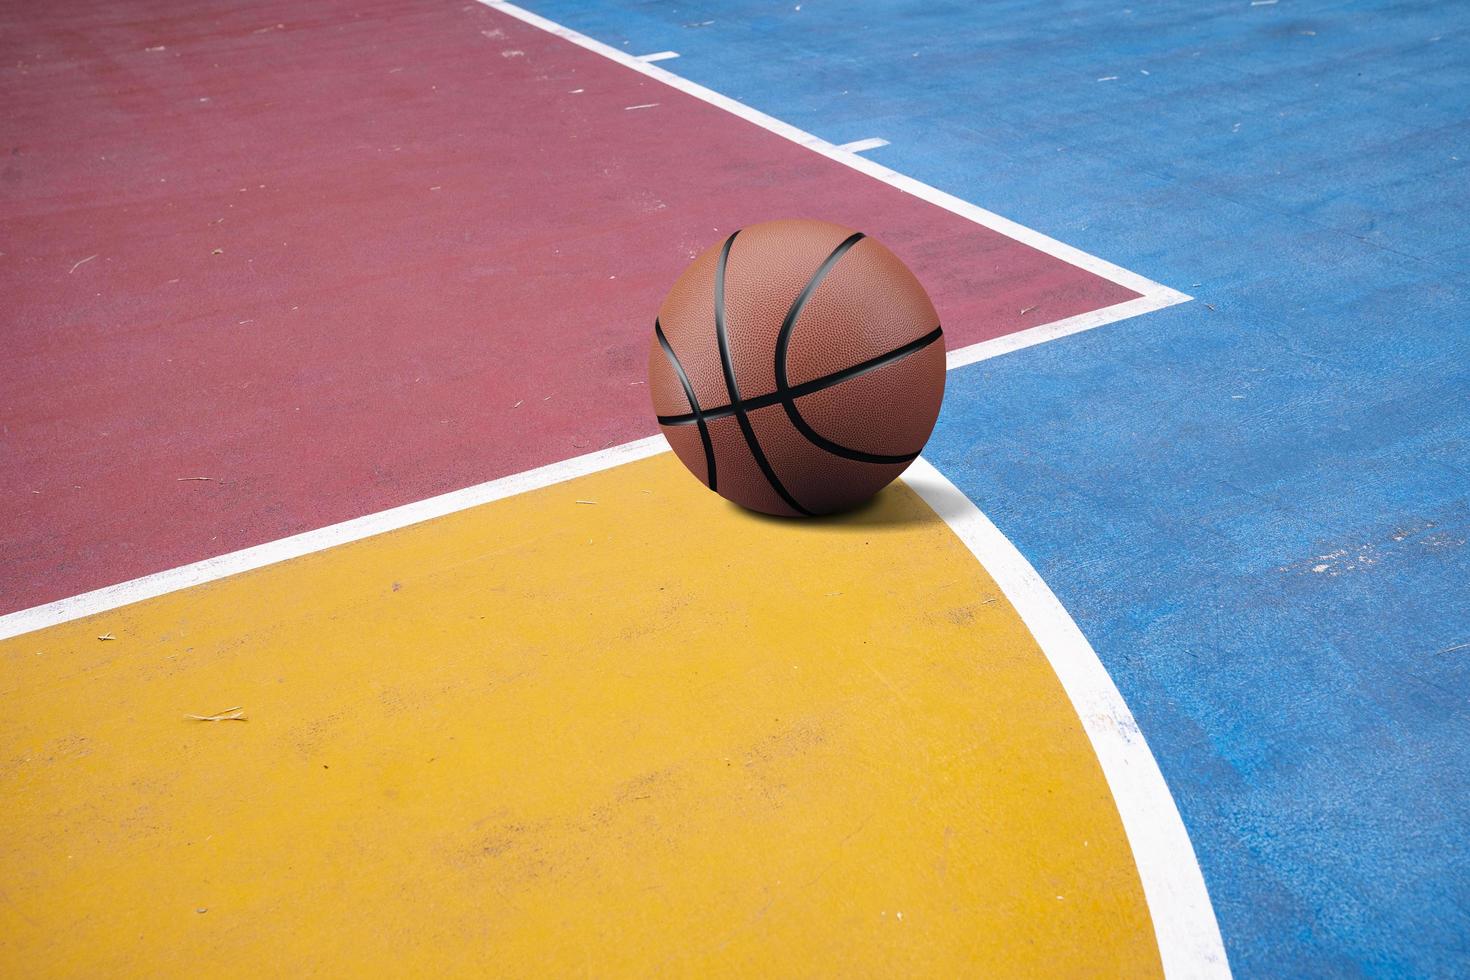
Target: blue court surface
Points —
{"points": [[1256, 505]]}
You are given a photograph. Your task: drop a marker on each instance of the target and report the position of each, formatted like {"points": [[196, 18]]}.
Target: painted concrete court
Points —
{"points": [[327, 327]]}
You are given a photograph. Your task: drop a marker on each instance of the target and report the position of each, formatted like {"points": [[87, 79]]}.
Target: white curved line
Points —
{"points": [[1173, 885]]}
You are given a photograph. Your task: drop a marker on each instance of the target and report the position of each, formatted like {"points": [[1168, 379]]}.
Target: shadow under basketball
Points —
{"points": [[894, 506]]}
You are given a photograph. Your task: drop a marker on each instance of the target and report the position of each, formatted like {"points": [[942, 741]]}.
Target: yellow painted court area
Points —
{"points": [[647, 734]]}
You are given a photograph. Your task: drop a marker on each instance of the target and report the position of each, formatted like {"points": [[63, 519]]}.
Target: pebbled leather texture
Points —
{"points": [[860, 431]]}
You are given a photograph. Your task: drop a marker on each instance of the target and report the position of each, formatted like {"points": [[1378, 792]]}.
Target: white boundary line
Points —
{"points": [[1041, 333], [307, 542], [1184, 920], [1163, 295]]}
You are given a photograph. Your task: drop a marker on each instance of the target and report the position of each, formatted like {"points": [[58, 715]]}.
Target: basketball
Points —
{"points": [[797, 367]]}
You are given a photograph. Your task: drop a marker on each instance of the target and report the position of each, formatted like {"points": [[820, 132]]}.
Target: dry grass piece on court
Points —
{"points": [[229, 714]]}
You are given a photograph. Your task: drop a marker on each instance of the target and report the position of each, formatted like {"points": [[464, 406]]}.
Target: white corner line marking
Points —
{"points": [[1041, 333], [1173, 885], [657, 56], [307, 542], [858, 146], [989, 219]]}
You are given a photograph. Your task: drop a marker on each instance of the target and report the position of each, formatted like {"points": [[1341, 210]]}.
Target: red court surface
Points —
{"points": [[339, 261]]}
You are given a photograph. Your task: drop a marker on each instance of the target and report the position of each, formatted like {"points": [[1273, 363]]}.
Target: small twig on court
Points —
{"points": [[586, 501], [1027, 310], [106, 636], [185, 479], [229, 714], [80, 264]]}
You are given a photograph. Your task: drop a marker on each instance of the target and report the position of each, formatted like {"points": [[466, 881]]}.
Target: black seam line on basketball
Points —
{"points": [[698, 417], [809, 387], [783, 341], [722, 338]]}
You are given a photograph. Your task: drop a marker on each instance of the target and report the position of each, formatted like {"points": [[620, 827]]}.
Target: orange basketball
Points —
{"points": [[797, 367]]}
